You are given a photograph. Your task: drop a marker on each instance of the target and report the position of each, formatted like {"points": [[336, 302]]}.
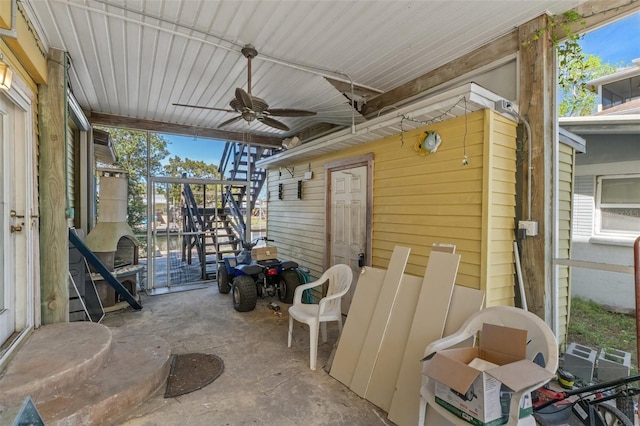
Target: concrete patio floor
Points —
{"points": [[263, 382]]}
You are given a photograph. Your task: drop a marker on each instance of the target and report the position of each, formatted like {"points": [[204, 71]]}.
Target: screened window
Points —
{"points": [[618, 205]]}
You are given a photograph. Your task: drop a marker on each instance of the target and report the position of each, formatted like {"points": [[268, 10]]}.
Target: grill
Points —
{"points": [[112, 240]]}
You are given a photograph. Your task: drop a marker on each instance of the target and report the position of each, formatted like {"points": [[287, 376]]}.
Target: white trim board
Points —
{"points": [[427, 326], [354, 330], [379, 321], [387, 367], [464, 302]]}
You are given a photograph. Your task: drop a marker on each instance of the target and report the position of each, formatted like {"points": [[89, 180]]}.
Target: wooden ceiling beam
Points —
{"points": [[485, 55], [181, 129], [596, 13]]}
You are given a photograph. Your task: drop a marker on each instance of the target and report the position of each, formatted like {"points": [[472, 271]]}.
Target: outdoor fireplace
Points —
{"points": [[113, 240]]}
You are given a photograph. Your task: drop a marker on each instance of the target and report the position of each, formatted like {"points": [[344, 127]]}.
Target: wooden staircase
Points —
{"points": [[218, 231]]}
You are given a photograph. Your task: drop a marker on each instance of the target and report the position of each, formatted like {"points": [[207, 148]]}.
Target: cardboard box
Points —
{"points": [[264, 253], [483, 397]]}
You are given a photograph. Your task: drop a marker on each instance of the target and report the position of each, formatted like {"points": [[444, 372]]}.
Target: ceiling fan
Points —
{"points": [[251, 107]]}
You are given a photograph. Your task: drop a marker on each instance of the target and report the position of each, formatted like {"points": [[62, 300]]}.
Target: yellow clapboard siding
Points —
{"points": [[411, 201], [392, 170], [503, 222], [399, 178], [503, 176], [502, 282], [428, 189], [436, 231], [428, 210], [467, 249], [433, 220], [413, 239], [417, 200], [497, 293]]}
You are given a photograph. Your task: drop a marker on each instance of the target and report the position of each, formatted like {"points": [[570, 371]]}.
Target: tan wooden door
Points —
{"points": [[348, 221]]}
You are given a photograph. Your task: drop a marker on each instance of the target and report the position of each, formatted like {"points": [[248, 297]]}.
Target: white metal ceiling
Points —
{"points": [[134, 58]]}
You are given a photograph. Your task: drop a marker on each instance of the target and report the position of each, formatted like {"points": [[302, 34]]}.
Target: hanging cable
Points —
{"points": [[440, 117]]}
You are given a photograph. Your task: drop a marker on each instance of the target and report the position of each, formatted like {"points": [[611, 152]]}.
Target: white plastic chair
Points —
{"points": [[540, 338], [328, 309]]}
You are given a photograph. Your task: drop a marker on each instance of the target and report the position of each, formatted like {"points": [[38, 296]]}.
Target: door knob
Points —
{"points": [[16, 228], [13, 213]]}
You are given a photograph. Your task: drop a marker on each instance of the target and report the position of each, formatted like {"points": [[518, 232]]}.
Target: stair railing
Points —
{"points": [[237, 158], [194, 219]]}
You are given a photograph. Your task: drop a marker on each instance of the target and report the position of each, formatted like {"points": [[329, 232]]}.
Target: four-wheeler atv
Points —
{"points": [[249, 279]]}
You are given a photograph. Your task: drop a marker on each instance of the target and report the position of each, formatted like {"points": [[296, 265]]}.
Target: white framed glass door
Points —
{"points": [[18, 218], [8, 229], [184, 231]]}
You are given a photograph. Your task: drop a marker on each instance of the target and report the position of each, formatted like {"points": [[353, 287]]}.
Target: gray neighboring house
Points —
{"points": [[606, 196]]}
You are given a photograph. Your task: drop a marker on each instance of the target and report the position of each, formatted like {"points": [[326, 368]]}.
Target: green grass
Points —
{"points": [[596, 327]]}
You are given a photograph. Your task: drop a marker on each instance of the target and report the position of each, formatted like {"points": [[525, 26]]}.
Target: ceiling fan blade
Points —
{"points": [[244, 98], [289, 112], [274, 123], [203, 107], [233, 120]]}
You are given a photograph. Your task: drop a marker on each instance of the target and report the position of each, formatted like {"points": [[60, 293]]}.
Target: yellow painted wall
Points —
{"points": [[418, 201], [26, 48]]}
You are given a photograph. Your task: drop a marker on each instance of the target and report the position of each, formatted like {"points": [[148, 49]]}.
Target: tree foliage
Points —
{"points": [[192, 168], [177, 167], [574, 72]]}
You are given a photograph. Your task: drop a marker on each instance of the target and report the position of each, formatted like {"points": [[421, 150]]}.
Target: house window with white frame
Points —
{"points": [[618, 205]]}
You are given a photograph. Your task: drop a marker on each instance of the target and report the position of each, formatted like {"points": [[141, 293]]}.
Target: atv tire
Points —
{"points": [[224, 287], [245, 293], [289, 280]]}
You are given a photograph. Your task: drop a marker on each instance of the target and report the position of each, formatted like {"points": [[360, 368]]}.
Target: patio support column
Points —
{"points": [[54, 251], [537, 105]]}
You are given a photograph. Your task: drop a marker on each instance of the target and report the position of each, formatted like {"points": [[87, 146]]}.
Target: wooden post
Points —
{"points": [[537, 106], [54, 251]]}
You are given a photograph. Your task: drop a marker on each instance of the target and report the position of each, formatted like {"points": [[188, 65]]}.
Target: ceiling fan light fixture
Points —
{"points": [[251, 108]]}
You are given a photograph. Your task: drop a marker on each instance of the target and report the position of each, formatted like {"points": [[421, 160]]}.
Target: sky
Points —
{"points": [[617, 43], [194, 148]]}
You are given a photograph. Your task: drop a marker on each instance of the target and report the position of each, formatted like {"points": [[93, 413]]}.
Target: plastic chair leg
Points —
{"points": [[323, 328], [423, 411], [313, 346], [290, 331]]}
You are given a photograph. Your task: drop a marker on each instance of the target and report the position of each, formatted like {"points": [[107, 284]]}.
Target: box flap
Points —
{"points": [[497, 357], [507, 340], [450, 372], [521, 374], [461, 355]]}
